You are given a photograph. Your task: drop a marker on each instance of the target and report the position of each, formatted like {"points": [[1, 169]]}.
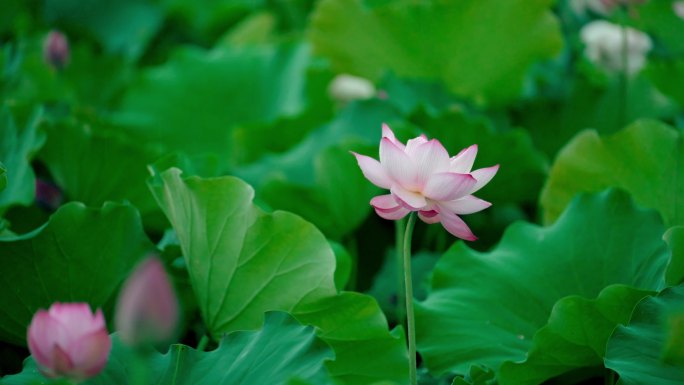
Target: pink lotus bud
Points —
{"points": [[68, 340], [147, 311], [56, 50], [48, 196]]}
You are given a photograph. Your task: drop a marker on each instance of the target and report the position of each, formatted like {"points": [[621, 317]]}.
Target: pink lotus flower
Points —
{"points": [[68, 340], [147, 311], [421, 177]]}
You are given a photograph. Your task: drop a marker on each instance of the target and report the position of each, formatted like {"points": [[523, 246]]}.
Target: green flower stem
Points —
{"points": [[399, 227], [202, 344], [139, 369], [624, 76], [408, 284]]}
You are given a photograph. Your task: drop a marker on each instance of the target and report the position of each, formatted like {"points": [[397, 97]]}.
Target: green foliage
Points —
{"points": [[525, 301], [307, 178], [645, 159], [512, 150], [477, 375], [355, 327], [248, 89], [479, 49], [668, 76], [279, 352], [95, 165], [639, 352], [3, 177], [389, 281], [81, 254], [123, 27], [675, 239], [242, 261], [17, 148], [575, 335], [604, 107], [247, 75], [659, 19], [28, 78]]}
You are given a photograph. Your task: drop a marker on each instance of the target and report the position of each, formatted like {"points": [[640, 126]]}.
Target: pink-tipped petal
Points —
{"points": [[62, 364], [409, 199], [384, 202], [393, 215], [430, 157], [447, 186], [77, 317], [91, 352], [429, 217], [463, 162], [41, 337], [466, 205], [455, 225], [373, 171], [413, 144], [398, 166], [483, 176], [389, 134]]}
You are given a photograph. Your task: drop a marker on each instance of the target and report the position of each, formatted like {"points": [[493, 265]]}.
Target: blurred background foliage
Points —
{"points": [[258, 89]]}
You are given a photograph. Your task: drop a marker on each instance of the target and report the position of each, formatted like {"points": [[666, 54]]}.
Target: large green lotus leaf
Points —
{"points": [[17, 147], [478, 48], [675, 239], [94, 165], [637, 352], [122, 27], [242, 261], [281, 351], [644, 158], [575, 336], [192, 102], [485, 308], [366, 352], [523, 168], [253, 141], [89, 81], [80, 254], [673, 351]]}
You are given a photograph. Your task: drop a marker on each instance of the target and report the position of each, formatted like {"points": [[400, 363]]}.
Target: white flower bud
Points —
{"points": [[678, 8], [604, 46], [345, 88]]}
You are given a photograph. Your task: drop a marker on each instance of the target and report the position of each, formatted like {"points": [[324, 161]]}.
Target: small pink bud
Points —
{"points": [[48, 195], [147, 311], [68, 340], [56, 50]]}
